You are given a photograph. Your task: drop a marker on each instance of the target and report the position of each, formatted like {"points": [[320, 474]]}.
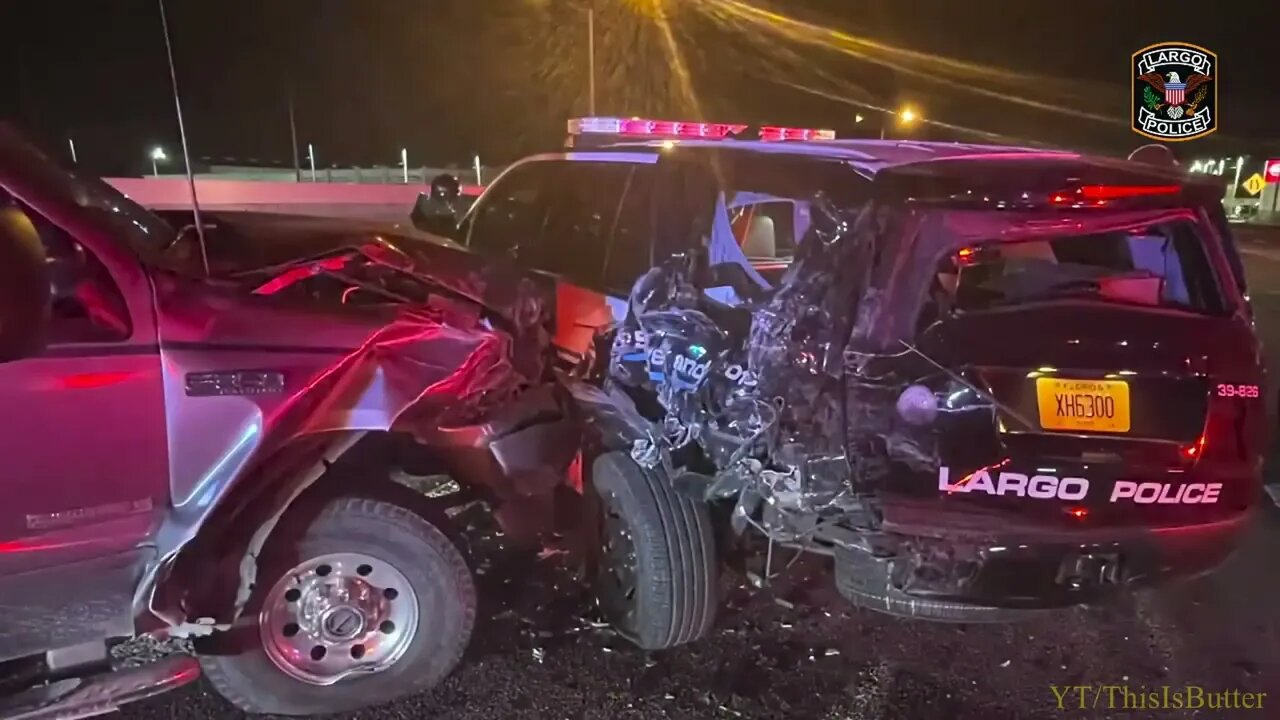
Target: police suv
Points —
{"points": [[985, 380]]}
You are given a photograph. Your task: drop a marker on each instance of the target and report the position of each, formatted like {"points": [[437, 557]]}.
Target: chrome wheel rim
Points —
{"points": [[338, 615]]}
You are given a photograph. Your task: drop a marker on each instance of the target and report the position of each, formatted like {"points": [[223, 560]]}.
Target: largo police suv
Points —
{"points": [[985, 380]]}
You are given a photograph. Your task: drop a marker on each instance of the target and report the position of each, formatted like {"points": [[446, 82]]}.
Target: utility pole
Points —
{"points": [[293, 135], [591, 60]]}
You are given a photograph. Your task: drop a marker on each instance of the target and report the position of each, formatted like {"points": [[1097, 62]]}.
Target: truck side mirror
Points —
{"points": [[435, 216], [25, 299]]}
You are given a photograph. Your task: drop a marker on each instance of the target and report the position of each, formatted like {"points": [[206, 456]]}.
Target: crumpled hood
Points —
{"points": [[245, 375]]}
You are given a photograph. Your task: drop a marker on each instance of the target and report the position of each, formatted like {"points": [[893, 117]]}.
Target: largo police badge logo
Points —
{"points": [[1175, 92]]}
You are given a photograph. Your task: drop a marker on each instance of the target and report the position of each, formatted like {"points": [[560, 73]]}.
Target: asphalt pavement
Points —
{"points": [[796, 650]]}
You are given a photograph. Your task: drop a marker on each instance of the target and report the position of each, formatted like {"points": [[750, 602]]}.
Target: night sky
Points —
{"points": [[448, 78]]}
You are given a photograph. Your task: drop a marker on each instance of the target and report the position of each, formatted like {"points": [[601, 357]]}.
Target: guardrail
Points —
{"points": [[375, 174], [374, 201]]}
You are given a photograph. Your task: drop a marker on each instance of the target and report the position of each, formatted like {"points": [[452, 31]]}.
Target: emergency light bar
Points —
{"points": [[784, 133], [636, 127]]}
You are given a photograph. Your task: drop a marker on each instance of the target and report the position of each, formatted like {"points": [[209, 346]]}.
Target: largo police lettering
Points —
{"points": [[1153, 493], [1042, 487], [1183, 56]]}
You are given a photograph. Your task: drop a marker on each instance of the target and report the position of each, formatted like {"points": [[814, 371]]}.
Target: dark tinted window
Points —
{"points": [[628, 255], [570, 218], [86, 304], [583, 227], [576, 236], [513, 211], [1219, 218], [1163, 265]]}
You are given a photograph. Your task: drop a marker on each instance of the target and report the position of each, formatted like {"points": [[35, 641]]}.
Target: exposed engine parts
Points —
{"points": [[748, 397]]}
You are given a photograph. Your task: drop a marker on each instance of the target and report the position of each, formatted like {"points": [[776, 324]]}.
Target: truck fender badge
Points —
{"points": [[1042, 487], [82, 516], [1153, 493]]}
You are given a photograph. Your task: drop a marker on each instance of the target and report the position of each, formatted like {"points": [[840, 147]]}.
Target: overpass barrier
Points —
{"points": [[348, 200]]}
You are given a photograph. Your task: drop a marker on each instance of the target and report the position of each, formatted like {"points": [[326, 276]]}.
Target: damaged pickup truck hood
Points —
{"points": [[250, 367]]}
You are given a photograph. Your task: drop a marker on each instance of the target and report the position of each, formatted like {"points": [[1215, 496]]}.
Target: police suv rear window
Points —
{"points": [[1163, 265]]}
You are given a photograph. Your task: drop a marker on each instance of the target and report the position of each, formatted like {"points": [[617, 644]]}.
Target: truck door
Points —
{"points": [[86, 467]]}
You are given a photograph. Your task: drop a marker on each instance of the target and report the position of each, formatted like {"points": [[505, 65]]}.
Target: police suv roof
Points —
{"points": [[888, 162], [872, 156], [940, 159]]}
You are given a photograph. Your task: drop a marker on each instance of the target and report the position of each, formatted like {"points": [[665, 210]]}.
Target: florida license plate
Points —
{"points": [[1083, 405]]}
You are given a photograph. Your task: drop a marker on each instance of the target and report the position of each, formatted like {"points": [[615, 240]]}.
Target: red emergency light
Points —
{"points": [[1098, 195], [783, 133], [637, 127]]}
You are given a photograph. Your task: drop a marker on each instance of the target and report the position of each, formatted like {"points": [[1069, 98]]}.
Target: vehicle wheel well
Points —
{"points": [[300, 477]]}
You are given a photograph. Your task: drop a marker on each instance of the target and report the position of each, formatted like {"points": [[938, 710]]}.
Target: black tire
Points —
{"points": [[239, 669], [674, 596]]}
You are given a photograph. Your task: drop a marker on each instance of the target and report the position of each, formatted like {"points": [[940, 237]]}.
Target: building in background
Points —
{"points": [[1247, 191]]}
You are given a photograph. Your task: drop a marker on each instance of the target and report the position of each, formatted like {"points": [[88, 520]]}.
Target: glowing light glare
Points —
{"points": [[1110, 192], [970, 77], [157, 154], [650, 128], [781, 133], [1195, 450], [1099, 195], [637, 127], [908, 116]]}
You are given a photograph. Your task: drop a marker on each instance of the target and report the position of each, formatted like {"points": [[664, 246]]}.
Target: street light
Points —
{"points": [[857, 117], [157, 156], [907, 116]]}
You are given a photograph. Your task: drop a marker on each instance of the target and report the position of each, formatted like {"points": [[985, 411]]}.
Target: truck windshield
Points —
{"points": [[1162, 265]]}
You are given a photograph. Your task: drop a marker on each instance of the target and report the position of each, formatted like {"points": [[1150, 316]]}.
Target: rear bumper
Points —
{"points": [[1019, 567]]}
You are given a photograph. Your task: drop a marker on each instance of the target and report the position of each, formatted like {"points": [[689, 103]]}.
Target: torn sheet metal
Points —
{"points": [[446, 359]]}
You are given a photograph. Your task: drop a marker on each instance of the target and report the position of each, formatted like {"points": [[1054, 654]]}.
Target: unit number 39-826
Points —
{"points": [[1240, 391]]}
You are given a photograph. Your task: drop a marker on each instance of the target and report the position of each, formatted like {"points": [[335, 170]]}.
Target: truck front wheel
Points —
{"points": [[367, 603], [657, 579]]}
